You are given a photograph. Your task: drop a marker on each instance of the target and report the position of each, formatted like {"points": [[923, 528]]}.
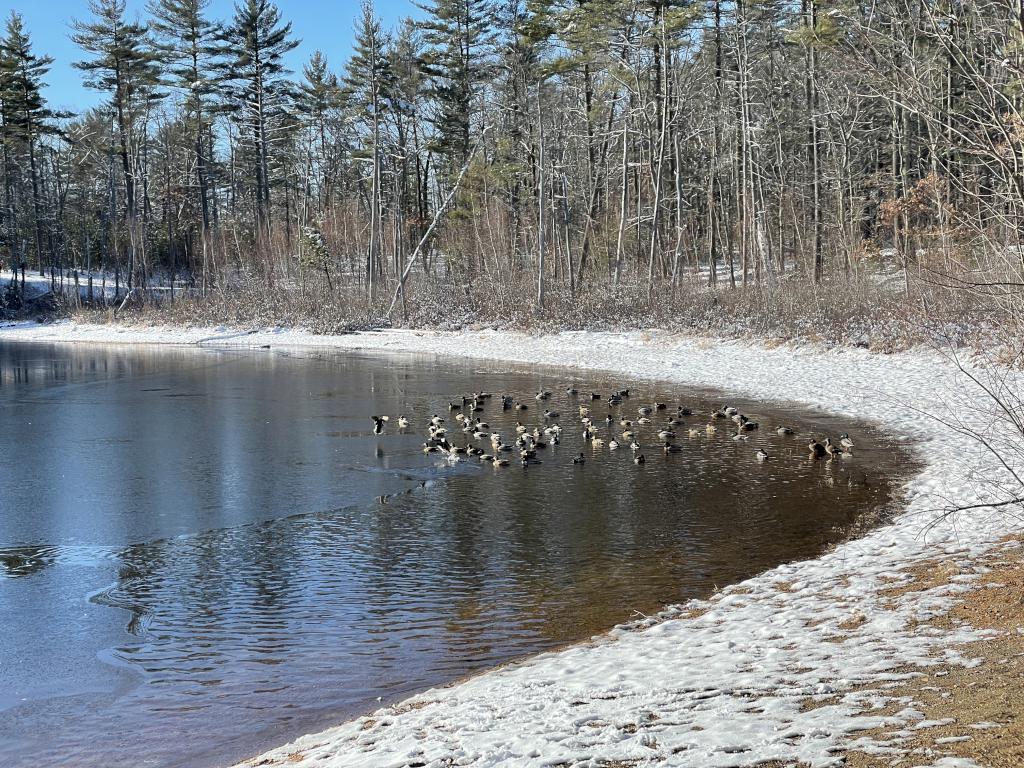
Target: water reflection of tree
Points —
{"points": [[27, 560]]}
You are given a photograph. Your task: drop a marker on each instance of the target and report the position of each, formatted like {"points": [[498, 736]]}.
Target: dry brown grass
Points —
{"points": [[959, 697]]}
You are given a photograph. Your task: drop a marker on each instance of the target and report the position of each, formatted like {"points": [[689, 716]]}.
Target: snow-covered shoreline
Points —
{"points": [[726, 682]]}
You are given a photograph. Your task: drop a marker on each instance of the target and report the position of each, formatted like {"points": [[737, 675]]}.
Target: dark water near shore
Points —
{"points": [[195, 563]]}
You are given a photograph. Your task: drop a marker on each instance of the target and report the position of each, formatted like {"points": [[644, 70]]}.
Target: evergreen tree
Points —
{"points": [[188, 44], [459, 38], [367, 79], [26, 117], [125, 65], [257, 42]]}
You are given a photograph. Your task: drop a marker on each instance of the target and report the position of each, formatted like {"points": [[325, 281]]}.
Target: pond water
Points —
{"points": [[204, 553]]}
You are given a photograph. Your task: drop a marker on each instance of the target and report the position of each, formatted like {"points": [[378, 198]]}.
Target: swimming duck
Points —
{"points": [[628, 435], [378, 424], [455, 406], [728, 410], [571, 391], [500, 462], [831, 448], [584, 411], [659, 406], [613, 444], [710, 428], [403, 422], [784, 431], [694, 432], [749, 426], [671, 448], [579, 459], [625, 423], [817, 449], [436, 420], [506, 402], [645, 411], [594, 396], [635, 446], [544, 395], [551, 414], [608, 419], [623, 393], [614, 400], [666, 434], [643, 420], [639, 459], [485, 457], [460, 417], [482, 424], [597, 442], [684, 411], [673, 422], [520, 427], [846, 442], [519, 406], [761, 454]]}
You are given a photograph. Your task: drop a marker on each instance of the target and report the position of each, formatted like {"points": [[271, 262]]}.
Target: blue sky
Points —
{"points": [[324, 25]]}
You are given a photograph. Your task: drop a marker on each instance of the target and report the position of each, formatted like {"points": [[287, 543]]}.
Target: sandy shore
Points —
{"points": [[801, 664]]}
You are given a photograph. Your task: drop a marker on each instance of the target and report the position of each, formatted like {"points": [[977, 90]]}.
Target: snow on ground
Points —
{"points": [[723, 682]]}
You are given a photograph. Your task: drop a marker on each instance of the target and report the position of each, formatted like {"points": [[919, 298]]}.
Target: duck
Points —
{"points": [[483, 425], [645, 410], [673, 422], [628, 435], [436, 420], [659, 406], [588, 433], [666, 434], [498, 462], [613, 444], [846, 442], [481, 395], [816, 449], [519, 406], [609, 419], [681, 411], [639, 459], [614, 400], [761, 454], [571, 391], [455, 406], [584, 411], [551, 414], [506, 402], [520, 427], [635, 446], [710, 428], [595, 396], [623, 393], [831, 448], [543, 395], [693, 432], [740, 436], [378, 424], [460, 417], [625, 423], [728, 410], [784, 431], [671, 448], [579, 459], [485, 457], [719, 414], [597, 442], [403, 422], [643, 420]]}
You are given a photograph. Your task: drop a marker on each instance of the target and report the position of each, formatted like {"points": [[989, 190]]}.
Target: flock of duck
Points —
{"points": [[657, 419]]}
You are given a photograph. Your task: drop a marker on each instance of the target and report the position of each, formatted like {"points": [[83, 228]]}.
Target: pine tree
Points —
{"points": [[319, 96], [367, 78], [188, 44], [459, 38], [257, 40], [124, 64], [26, 117]]}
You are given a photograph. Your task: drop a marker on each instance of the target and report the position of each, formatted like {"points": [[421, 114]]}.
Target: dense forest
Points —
{"points": [[527, 152]]}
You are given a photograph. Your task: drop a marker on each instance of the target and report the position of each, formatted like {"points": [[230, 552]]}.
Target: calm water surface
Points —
{"points": [[196, 562]]}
